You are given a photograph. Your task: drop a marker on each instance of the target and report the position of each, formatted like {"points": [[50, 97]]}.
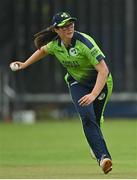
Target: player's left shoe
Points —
{"points": [[106, 165]]}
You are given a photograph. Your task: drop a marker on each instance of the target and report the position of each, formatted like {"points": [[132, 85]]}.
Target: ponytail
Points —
{"points": [[44, 36]]}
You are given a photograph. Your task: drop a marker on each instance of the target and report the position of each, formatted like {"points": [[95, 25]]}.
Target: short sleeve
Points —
{"points": [[94, 54], [49, 47]]}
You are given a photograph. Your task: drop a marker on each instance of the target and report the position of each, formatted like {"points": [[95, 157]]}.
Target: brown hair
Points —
{"points": [[43, 37]]}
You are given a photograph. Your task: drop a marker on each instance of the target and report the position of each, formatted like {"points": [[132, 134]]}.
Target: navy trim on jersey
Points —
{"points": [[83, 39], [100, 57], [80, 37]]}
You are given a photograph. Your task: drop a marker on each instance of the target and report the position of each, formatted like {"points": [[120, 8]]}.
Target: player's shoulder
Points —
{"points": [[53, 43], [84, 39]]}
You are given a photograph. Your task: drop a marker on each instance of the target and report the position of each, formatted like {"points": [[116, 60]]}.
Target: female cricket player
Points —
{"points": [[88, 77]]}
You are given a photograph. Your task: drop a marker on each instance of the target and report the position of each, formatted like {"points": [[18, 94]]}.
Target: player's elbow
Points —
{"points": [[104, 71], [102, 68]]}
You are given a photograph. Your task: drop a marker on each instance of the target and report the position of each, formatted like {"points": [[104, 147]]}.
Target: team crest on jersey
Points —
{"points": [[73, 51]]}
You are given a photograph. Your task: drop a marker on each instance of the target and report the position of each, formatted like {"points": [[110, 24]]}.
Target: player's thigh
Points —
{"points": [[100, 104], [77, 91]]}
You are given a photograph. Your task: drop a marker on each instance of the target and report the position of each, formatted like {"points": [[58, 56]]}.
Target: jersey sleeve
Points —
{"points": [[50, 47], [94, 54]]}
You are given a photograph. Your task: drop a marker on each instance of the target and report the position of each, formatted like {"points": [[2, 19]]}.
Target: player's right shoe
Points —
{"points": [[106, 165]]}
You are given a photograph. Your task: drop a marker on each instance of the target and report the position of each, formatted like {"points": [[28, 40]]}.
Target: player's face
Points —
{"points": [[66, 31]]}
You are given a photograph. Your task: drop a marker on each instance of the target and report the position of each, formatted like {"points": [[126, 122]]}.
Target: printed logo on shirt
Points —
{"points": [[94, 51], [61, 51], [102, 96], [70, 64], [73, 51]]}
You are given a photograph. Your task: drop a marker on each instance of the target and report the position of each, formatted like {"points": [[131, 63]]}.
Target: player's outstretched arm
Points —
{"points": [[36, 56]]}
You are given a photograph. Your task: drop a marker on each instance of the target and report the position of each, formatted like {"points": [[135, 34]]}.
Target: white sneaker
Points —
{"points": [[106, 165]]}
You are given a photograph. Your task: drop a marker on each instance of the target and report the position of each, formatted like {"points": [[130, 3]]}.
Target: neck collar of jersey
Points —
{"points": [[73, 40]]}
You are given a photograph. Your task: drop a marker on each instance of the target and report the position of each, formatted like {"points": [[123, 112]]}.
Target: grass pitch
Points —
{"points": [[59, 150]]}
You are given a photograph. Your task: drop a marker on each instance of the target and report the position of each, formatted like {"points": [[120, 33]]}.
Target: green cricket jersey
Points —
{"points": [[80, 58]]}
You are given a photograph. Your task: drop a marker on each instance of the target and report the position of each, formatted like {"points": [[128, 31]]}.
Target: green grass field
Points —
{"points": [[58, 150]]}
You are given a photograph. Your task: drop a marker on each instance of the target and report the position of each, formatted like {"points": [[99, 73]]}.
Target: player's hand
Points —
{"points": [[18, 65], [87, 99]]}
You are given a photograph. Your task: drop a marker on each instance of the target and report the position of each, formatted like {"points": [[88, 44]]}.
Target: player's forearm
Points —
{"points": [[100, 82], [36, 56]]}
